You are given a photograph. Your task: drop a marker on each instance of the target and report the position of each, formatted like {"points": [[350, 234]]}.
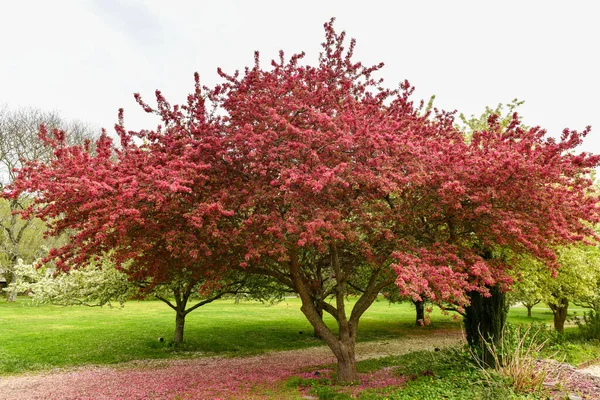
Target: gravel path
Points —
{"points": [[592, 370]]}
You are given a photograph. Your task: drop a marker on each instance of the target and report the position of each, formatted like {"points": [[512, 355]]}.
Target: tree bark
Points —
{"points": [[420, 307], [343, 344], [11, 293], [559, 311], [529, 311], [181, 299], [320, 312], [346, 367], [179, 325], [484, 321]]}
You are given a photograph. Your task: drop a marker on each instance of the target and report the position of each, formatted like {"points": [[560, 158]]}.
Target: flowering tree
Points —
{"points": [[150, 206], [321, 178], [89, 286], [332, 164]]}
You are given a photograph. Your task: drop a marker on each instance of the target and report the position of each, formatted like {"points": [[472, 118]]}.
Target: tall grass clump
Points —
{"points": [[515, 358]]}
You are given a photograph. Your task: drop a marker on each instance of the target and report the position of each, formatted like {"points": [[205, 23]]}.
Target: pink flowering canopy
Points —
{"points": [[507, 188], [155, 201], [324, 179], [326, 156]]}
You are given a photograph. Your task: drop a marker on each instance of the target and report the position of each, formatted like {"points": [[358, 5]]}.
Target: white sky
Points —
{"points": [[86, 58]]}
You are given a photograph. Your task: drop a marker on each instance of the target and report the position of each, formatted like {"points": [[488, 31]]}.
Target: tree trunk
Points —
{"points": [[560, 314], [343, 344], [181, 299], [179, 325], [484, 321], [320, 312], [11, 293], [420, 307], [529, 311], [346, 367]]}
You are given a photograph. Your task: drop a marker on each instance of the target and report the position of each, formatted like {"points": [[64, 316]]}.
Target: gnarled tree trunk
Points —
{"points": [[343, 344], [346, 355], [484, 321]]}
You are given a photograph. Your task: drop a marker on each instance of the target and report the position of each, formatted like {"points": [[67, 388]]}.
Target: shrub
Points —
{"points": [[515, 358], [589, 325]]}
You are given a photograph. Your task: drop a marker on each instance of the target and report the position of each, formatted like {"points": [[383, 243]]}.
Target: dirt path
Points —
{"points": [[200, 378]]}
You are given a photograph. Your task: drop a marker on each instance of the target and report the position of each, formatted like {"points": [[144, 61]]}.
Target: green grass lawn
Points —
{"points": [[42, 337]]}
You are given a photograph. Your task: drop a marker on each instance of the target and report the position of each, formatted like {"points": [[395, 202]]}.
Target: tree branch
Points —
{"points": [[167, 302]]}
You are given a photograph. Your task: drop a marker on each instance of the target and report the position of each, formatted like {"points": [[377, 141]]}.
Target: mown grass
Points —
{"points": [[35, 338], [42, 337]]}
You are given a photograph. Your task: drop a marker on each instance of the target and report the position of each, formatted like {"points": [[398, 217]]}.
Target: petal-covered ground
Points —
{"points": [[236, 378], [199, 378], [565, 379]]}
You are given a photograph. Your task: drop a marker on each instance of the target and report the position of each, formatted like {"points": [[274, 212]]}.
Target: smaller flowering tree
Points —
{"points": [[92, 285], [151, 206]]}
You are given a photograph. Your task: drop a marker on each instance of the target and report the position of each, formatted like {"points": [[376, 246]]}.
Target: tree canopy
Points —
{"points": [[322, 178]]}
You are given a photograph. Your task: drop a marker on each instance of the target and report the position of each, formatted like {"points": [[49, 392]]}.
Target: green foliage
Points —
{"points": [[526, 292], [575, 282], [93, 285], [589, 325], [447, 374], [479, 123]]}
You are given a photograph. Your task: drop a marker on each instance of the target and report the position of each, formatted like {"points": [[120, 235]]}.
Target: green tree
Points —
{"points": [[575, 282], [526, 292]]}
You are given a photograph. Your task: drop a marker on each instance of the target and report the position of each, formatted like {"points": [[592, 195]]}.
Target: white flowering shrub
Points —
{"points": [[94, 285]]}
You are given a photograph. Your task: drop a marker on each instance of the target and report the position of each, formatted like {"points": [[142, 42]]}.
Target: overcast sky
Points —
{"points": [[86, 58]]}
